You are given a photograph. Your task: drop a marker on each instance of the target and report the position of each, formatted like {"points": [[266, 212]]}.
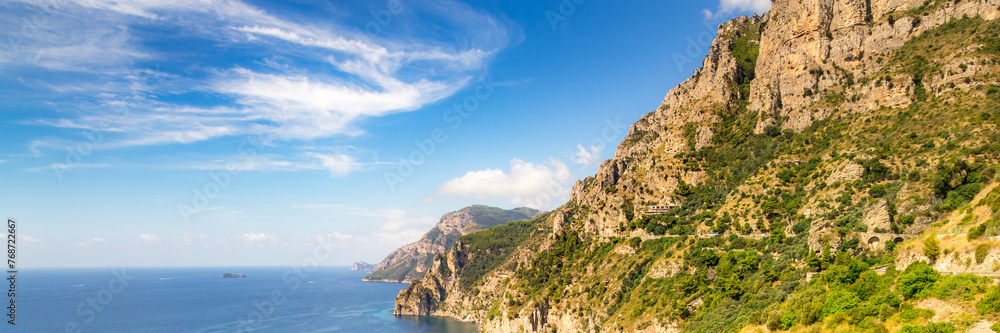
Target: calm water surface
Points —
{"points": [[199, 300]]}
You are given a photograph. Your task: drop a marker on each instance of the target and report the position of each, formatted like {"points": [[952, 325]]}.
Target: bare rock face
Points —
{"points": [[664, 270], [539, 317], [812, 46], [877, 216], [424, 295], [849, 172]]}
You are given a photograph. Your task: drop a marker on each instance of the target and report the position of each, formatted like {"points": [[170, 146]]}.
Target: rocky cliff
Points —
{"points": [[412, 261], [843, 127], [362, 266]]}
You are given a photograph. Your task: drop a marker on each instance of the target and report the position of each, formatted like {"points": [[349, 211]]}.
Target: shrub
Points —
{"points": [[976, 232], [917, 278], [963, 287], [867, 285], [877, 191], [851, 243], [981, 251], [875, 171], [839, 300], [800, 227], [634, 242], [990, 303], [772, 131], [932, 248], [709, 258], [929, 328]]}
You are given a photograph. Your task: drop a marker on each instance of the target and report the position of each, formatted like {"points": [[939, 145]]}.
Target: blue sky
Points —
{"points": [[208, 133]]}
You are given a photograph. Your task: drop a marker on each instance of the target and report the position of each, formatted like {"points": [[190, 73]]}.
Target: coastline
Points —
{"points": [[406, 281]]}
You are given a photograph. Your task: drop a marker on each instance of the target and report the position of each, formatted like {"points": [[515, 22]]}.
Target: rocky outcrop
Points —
{"points": [[362, 266], [412, 261], [877, 216]]}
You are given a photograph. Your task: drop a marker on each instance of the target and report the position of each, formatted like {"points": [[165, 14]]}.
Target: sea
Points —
{"points": [[272, 299]]}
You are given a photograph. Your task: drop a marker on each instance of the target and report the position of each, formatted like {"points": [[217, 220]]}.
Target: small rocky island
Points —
{"points": [[362, 266], [233, 275]]}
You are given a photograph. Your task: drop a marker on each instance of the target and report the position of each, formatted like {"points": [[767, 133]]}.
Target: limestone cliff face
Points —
{"points": [[422, 296], [816, 45], [412, 261]]}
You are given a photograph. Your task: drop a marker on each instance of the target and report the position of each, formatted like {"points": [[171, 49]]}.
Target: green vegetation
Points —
{"points": [[932, 248], [398, 271], [745, 49], [488, 217], [405, 267], [491, 247], [990, 303]]}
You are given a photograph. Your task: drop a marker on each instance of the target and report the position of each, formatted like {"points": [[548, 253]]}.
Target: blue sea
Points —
{"points": [[199, 300]]}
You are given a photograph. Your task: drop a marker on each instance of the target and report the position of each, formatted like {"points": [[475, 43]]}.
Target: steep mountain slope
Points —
{"points": [[818, 141], [411, 261]]}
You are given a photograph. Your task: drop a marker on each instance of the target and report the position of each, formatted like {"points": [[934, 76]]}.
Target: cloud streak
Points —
{"points": [[91, 242], [332, 76], [729, 7], [588, 156]]}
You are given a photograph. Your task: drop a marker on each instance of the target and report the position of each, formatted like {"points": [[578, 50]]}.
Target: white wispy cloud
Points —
{"points": [[395, 226], [192, 240], [588, 156], [91, 242], [527, 184], [336, 238], [149, 238], [727, 7], [259, 239], [338, 164], [66, 166], [29, 239], [372, 76]]}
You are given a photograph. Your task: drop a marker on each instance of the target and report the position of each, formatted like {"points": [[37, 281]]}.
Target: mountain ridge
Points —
{"points": [[411, 261], [806, 130]]}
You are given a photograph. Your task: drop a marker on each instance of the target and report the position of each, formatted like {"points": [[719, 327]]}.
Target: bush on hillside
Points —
{"points": [[917, 278]]}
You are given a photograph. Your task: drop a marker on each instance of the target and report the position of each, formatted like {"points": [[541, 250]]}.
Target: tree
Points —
{"points": [[814, 262], [916, 278], [932, 248], [778, 236], [890, 245], [826, 253]]}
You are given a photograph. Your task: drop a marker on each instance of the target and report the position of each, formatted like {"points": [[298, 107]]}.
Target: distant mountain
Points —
{"points": [[362, 266], [410, 262]]}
